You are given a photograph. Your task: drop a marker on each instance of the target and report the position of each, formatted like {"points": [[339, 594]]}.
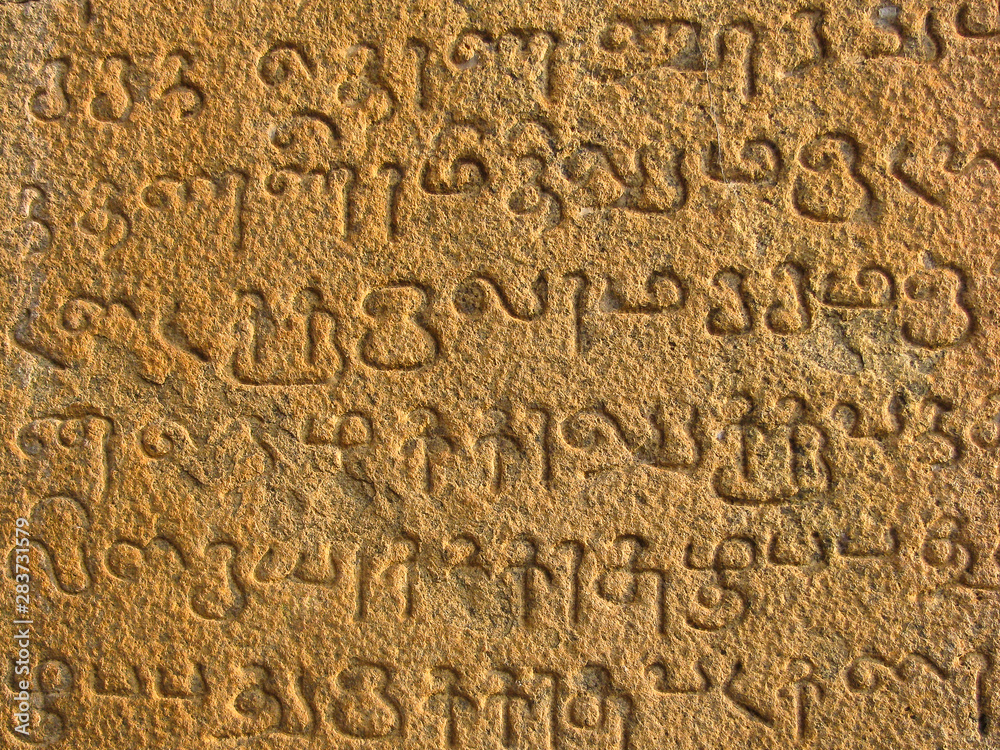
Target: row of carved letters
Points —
{"points": [[501, 448], [529, 56], [299, 341], [827, 182], [520, 707], [568, 583], [551, 183], [770, 454]]}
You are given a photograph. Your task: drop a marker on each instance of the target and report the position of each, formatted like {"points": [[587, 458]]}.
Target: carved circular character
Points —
{"points": [[281, 62], [586, 430], [710, 597], [30, 441], [469, 49], [617, 35], [162, 439], [79, 315], [125, 560], [252, 702], [277, 183], [54, 677], [73, 433], [470, 298], [863, 676], [585, 712]]}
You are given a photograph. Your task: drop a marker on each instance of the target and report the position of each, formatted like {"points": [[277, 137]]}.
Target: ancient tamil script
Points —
{"points": [[500, 375]]}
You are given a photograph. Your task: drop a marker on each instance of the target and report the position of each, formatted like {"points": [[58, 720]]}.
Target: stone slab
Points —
{"points": [[507, 374]]}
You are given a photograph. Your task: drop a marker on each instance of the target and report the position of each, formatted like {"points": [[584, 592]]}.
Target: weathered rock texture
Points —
{"points": [[502, 374]]}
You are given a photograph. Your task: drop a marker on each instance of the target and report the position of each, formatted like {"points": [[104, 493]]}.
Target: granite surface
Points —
{"points": [[500, 374]]}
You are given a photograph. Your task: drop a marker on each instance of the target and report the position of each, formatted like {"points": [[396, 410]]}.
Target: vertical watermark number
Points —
{"points": [[22, 629]]}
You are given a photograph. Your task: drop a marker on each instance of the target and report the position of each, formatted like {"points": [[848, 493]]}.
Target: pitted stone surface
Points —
{"points": [[502, 374]]}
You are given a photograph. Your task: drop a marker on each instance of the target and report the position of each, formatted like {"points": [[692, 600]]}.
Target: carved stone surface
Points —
{"points": [[501, 374]]}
